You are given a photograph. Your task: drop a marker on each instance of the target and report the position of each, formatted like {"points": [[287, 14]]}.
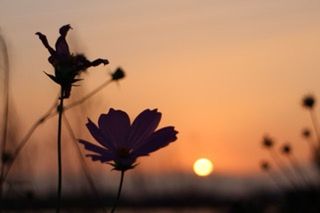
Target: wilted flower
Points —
{"points": [[306, 133], [267, 142], [308, 101], [67, 66], [286, 149], [122, 142]]}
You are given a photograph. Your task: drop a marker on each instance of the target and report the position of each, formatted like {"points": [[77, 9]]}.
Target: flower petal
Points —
{"points": [[100, 136], [100, 158], [157, 140], [62, 47], [116, 125], [97, 149], [143, 126]]}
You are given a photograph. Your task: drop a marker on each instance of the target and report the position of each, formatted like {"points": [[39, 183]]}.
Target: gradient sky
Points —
{"points": [[223, 72]]}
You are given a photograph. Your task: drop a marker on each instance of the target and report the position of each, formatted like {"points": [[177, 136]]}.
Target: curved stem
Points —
{"points": [[119, 192], [6, 94], [82, 161], [26, 138], [93, 92], [47, 116], [315, 126], [275, 181], [303, 175], [280, 165], [60, 111]]}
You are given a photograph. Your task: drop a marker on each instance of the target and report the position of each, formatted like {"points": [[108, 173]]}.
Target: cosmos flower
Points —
{"points": [[67, 66], [121, 143]]}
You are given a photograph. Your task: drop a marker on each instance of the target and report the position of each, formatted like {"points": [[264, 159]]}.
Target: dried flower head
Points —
{"points": [[67, 66], [118, 74], [267, 142], [308, 101], [306, 133], [265, 166], [286, 149], [121, 143]]}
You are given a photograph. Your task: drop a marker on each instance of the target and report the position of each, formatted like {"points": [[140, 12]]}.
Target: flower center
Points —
{"points": [[123, 152]]}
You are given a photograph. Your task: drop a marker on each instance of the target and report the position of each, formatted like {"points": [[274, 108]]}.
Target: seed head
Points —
{"points": [[267, 142], [308, 101], [286, 149]]}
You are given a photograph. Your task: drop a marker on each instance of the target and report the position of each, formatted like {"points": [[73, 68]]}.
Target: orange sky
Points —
{"points": [[223, 72]]}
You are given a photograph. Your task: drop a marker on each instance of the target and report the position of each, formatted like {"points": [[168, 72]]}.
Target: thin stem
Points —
{"points": [[60, 112], [275, 181], [83, 99], [25, 139], [312, 146], [47, 116], [6, 94], [281, 167], [119, 192], [93, 92], [315, 125], [294, 163], [82, 161]]}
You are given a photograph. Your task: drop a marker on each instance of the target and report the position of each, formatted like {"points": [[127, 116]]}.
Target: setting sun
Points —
{"points": [[203, 167]]}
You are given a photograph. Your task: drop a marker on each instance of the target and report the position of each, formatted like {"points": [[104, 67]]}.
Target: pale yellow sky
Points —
{"points": [[223, 72]]}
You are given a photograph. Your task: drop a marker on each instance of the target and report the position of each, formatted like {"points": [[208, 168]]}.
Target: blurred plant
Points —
{"points": [[53, 112], [286, 150], [83, 164], [269, 144], [122, 143], [307, 135], [4, 66], [309, 102], [266, 167], [316, 158], [67, 68]]}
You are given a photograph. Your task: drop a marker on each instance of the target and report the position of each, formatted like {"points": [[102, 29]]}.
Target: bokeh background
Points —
{"points": [[224, 73]]}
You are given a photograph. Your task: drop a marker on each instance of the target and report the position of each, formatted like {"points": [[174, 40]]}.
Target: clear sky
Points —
{"points": [[223, 72]]}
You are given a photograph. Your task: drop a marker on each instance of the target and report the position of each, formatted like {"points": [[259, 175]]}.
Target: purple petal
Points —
{"points": [[100, 158], [115, 124], [158, 140], [97, 149], [143, 126], [100, 136], [62, 47]]}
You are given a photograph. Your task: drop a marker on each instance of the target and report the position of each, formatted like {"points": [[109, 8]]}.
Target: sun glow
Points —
{"points": [[203, 167]]}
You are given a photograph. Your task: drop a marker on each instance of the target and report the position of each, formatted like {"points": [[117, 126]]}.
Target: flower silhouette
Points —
{"points": [[67, 66], [122, 142]]}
